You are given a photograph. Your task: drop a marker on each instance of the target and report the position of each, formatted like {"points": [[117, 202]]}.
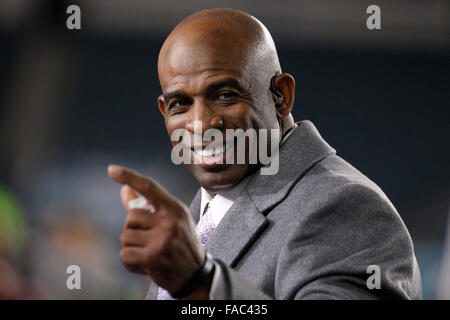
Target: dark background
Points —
{"points": [[71, 102]]}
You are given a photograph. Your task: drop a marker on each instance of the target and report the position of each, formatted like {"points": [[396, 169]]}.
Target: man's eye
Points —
{"points": [[177, 103], [226, 96], [178, 106]]}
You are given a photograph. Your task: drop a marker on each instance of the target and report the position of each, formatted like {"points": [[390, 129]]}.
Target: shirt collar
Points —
{"points": [[206, 197]]}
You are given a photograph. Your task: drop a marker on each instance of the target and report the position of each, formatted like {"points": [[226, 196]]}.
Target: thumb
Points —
{"points": [[127, 194]]}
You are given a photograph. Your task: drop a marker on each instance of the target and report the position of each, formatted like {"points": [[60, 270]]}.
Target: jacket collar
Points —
{"points": [[301, 151]]}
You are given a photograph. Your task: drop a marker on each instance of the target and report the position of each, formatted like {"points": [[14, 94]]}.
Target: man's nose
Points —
{"points": [[203, 118]]}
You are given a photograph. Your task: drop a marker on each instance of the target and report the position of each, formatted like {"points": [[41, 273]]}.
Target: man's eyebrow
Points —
{"points": [[228, 82]]}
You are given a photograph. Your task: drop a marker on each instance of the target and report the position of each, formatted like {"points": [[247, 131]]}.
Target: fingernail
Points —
{"points": [[115, 170]]}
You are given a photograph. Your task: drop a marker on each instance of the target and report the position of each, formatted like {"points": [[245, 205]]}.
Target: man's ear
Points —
{"points": [[284, 84], [162, 105]]}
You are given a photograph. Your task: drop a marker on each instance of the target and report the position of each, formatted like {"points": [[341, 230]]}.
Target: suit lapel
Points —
{"points": [[152, 292], [300, 152], [194, 208], [241, 225]]}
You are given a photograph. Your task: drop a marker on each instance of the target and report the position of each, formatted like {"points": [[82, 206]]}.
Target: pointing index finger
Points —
{"points": [[145, 186]]}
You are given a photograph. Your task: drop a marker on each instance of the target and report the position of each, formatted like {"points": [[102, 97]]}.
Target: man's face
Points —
{"points": [[209, 83]]}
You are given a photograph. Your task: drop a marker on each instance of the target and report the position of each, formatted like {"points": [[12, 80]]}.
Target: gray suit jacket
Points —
{"points": [[311, 231]]}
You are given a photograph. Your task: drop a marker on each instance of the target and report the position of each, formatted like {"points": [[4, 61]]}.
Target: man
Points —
{"points": [[313, 230]]}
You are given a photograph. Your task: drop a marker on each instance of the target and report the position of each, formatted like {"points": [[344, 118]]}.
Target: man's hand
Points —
{"points": [[163, 245]]}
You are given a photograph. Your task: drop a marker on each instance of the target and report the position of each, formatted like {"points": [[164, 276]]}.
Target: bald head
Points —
{"points": [[215, 68], [224, 35]]}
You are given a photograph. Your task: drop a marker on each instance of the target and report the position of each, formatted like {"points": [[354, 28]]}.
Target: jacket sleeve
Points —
{"points": [[227, 284], [332, 252]]}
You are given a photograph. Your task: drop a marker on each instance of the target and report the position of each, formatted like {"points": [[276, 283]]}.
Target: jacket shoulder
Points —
{"points": [[343, 223], [334, 179]]}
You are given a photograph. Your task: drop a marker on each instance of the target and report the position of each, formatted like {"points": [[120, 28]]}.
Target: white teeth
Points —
{"points": [[210, 151], [206, 153]]}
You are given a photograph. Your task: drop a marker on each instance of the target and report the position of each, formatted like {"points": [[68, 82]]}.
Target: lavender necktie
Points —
{"points": [[205, 228]]}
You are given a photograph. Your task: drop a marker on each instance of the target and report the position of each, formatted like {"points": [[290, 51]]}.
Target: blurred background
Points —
{"points": [[72, 102]]}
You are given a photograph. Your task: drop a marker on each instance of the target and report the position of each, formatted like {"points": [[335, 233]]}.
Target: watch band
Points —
{"points": [[197, 279]]}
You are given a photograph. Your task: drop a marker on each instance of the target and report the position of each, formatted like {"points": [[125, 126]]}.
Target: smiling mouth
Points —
{"points": [[211, 156]]}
